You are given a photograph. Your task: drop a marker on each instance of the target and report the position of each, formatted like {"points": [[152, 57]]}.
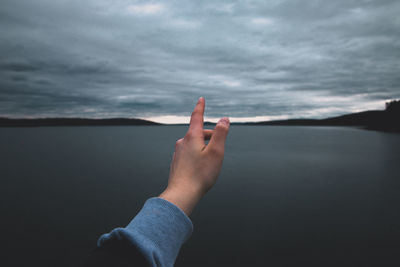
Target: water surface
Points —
{"points": [[287, 196]]}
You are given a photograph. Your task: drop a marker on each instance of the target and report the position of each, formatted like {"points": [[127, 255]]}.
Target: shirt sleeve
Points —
{"points": [[157, 232]]}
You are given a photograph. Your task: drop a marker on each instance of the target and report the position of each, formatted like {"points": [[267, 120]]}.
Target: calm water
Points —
{"points": [[287, 196]]}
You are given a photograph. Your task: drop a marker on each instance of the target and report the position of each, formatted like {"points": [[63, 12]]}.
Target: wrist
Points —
{"points": [[185, 198]]}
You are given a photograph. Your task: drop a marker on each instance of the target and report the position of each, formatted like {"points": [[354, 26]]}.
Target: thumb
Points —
{"points": [[217, 141]]}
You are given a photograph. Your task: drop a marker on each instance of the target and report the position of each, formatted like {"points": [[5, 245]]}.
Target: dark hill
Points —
{"points": [[384, 120], [355, 119], [5, 122]]}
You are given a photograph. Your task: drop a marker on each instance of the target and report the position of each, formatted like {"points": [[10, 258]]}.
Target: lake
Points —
{"points": [[286, 196]]}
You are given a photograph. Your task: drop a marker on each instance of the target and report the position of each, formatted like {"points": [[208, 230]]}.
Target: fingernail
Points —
{"points": [[200, 98], [224, 121]]}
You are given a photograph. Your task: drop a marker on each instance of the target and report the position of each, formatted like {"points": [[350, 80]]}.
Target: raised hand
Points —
{"points": [[196, 165]]}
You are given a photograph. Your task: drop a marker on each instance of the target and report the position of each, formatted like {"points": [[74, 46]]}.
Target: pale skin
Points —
{"points": [[196, 165]]}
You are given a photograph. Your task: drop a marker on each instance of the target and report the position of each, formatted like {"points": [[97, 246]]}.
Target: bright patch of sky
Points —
{"points": [[145, 9]]}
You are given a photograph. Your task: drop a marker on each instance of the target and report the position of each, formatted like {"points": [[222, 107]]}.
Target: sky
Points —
{"points": [[251, 60]]}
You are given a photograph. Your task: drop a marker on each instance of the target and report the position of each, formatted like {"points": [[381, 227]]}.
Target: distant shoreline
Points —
{"points": [[382, 120], [40, 122]]}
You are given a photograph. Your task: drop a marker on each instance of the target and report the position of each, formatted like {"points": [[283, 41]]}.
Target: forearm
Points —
{"points": [[157, 232]]}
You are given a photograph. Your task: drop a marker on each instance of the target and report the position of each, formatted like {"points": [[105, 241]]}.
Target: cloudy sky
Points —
{"points": [[251, 60]]}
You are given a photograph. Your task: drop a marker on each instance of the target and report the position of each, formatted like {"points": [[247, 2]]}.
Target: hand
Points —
{"points": [[195, 166]]}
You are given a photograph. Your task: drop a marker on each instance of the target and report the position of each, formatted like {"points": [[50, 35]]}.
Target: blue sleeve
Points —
{"points": [[157, 231]]}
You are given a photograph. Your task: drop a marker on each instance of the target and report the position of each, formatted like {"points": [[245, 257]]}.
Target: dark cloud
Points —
{"points": [[273, 58], [17, 67]]}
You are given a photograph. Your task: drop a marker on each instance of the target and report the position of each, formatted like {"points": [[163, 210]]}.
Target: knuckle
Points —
{"points": [[195, 112], [216, 151], [189, 135], [178, 143]]}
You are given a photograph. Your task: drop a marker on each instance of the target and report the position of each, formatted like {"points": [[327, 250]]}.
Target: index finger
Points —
{"points": [[197, 118]]}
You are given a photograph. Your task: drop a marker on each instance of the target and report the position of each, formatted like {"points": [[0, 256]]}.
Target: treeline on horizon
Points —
{"points": [[7, 122], [393, 106], [384, 120]]}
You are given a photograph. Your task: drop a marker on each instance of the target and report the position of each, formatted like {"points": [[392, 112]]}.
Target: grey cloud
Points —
{"points": [[251, 58], [17, 67]]}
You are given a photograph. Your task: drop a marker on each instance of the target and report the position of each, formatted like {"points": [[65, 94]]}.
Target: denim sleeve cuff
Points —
{"points": [[158, 231]]}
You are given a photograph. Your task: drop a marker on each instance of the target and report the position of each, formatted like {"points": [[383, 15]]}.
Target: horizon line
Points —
{"points": [[163, 119], [184, 120], [174, 119]]}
